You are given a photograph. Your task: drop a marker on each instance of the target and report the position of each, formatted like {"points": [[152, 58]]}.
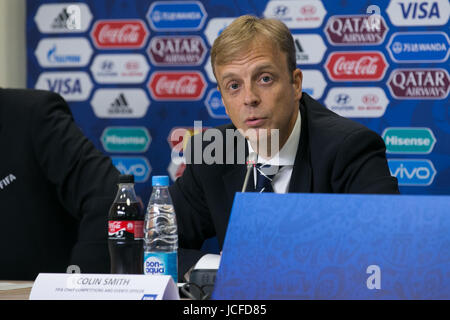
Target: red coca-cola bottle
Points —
{"points": [[126, 229]]}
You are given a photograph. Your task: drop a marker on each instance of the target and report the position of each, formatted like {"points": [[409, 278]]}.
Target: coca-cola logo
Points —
{"points": [[419, 83], [116, 229], [356, 30], [189, 85], [356, 66], [119, 34], [177, 50]]}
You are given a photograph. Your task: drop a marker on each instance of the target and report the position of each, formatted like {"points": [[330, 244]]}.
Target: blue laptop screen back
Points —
{"points": [[324, 246]]}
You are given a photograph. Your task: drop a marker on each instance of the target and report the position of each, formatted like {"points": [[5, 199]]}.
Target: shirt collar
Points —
{"points": [[286, 156]]}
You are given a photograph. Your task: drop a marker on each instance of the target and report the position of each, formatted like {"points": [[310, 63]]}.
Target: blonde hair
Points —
{"points": [[244, 31]]}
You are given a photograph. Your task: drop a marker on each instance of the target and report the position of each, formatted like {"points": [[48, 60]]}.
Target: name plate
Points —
{"points": [[81, 286]]}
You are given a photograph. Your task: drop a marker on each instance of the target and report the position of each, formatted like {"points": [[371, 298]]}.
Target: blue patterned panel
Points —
{"points": [[317, 246]]}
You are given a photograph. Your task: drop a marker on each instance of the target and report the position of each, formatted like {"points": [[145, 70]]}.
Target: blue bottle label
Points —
{"points": [[161, 263]]}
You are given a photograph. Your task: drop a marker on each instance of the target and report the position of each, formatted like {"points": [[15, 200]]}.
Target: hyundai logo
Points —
{"points": [[342, 98], [280, 11]]}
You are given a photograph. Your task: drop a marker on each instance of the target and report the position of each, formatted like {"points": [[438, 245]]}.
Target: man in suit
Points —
{"points": [[254, 63], [55, 189]]}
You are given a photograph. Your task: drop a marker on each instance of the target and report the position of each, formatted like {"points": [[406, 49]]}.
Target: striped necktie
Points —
{"points": [[264, 177]]}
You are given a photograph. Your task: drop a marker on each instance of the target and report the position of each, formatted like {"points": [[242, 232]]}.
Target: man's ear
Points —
{"points": [[297, 81]]}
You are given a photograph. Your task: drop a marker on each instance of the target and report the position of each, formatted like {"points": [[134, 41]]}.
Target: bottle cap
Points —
{"points": [[160, 181], [126, 178]]}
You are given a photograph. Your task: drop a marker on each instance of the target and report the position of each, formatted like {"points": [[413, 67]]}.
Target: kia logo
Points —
{"points": [[132, 65], [370, 99], [308, 10]]}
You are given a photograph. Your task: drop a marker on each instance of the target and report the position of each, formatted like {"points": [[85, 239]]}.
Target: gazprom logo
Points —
{"points": [[412, 172], [137, 166], [176, 15]]}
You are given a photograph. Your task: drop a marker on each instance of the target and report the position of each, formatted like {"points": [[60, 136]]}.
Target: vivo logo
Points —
{"points": [[137, 166], [412, 172]]}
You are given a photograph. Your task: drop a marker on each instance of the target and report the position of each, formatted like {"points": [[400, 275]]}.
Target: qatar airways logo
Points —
{"points": [[418, 83], [177, 50], [119, 34], [356, 30], [189, 85], [356, 66]]}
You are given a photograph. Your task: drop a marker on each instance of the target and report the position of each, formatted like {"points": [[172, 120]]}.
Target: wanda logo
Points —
{"points": [[356, 66], [119, 34], [189, 85]]}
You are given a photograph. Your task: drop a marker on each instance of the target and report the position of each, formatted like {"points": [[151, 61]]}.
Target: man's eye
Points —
{"points": [[266, 79], [233, 86]]}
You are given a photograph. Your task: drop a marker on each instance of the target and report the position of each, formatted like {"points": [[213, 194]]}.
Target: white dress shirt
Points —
{"points": [[285, 158]]}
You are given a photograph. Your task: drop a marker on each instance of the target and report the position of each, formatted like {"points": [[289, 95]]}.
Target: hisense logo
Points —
{"points": [[126, 139], [409, 140]]}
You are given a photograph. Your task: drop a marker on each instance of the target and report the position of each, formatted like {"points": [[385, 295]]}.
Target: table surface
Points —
{"points": [[15, 294]]}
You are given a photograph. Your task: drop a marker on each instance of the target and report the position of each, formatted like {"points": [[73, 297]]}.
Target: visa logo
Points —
{"points": [[73, 86], [418, 13], [421, 11], [64, 86], [412, 172]]}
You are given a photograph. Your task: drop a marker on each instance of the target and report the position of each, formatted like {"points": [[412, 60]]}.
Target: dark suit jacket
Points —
{"points": [[56, 189], [335, 155]]}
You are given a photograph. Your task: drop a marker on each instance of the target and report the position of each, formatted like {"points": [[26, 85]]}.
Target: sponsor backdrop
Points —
{"points": [[136, 72]]}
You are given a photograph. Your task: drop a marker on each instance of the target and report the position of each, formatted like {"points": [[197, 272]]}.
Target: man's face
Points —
{"points": [[258, 90]]}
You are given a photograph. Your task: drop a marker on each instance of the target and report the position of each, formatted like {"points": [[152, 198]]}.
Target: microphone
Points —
{"points": [[251, 162]]}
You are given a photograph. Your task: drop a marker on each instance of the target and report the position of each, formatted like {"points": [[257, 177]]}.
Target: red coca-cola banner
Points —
{"points": [[119, 34], [356, 66], [172, 85]]}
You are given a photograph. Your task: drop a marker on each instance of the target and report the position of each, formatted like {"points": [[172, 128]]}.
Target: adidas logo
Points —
{"points": [[60, 22], [299, 52], [120, 105], [69, 18]]}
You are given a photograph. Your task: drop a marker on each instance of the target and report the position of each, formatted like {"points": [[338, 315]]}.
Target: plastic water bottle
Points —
{"points": [[160, 232]]}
